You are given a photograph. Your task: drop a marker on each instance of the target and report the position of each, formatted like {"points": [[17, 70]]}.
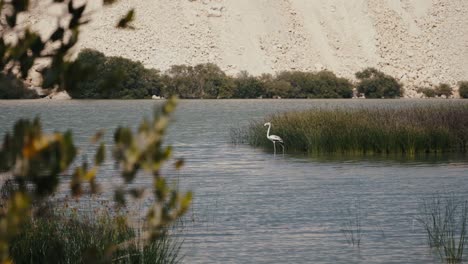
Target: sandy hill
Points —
{"points": [[421, 42]]}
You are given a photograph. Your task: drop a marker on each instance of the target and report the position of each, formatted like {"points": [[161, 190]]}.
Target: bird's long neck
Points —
{"points": [[268, 131]]}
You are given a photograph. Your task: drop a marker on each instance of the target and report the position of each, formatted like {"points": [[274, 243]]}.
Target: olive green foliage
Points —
{"points": [[144, 151], [36, 157], [13, 88], [248, 86], [91, 85], [366, 131], [209, 81], [376, 84], [463, 89], [70, 237], [114, 77], [323, 84], [428, 92], [276, 88], [200, 81], [443, 89]]}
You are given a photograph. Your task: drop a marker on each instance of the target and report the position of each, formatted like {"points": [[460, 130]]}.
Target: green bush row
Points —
{"points": [[129, 79], [442, 89], [119, 78]]}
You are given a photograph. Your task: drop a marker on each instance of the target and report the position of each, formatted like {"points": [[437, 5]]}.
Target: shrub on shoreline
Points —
{"points": [[248, 86], [463, 89], [13, 88], [443, 89], [201, 81], [323, 84], [428, 92], [367, 131], [114, 78], [276, 88], [376, 84]]}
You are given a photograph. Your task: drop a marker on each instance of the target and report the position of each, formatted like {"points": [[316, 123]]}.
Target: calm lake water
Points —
{"points": [[253, 207]]}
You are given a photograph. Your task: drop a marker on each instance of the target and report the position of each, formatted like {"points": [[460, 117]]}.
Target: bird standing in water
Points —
{"points": [[274, 138]]}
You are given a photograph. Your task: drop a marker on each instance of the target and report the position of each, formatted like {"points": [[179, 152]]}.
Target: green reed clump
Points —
{"points": [[77, 238], [352, 227], [445, 223], [367, 131]]}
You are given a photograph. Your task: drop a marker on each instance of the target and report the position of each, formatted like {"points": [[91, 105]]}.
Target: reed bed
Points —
{"points": [[73, 237], [445, 221], [414, 130]]}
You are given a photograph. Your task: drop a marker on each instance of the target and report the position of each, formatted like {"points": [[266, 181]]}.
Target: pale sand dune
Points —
{"points": [[421, 42]]}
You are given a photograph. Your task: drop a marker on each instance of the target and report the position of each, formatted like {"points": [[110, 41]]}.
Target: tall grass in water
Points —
{"points": [[413, 130], [75, 238], [445, 220], [352, 228]]}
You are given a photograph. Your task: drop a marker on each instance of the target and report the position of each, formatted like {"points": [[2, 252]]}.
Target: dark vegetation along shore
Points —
{"points": [[415, 130], [131, 80], [119, 78]]}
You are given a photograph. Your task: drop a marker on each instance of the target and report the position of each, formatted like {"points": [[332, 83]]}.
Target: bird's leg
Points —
{"points": [[282, 145], [274, 146]]}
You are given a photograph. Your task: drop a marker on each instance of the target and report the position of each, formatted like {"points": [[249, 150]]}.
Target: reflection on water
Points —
{"points": [[385, 159], [253, 207]]}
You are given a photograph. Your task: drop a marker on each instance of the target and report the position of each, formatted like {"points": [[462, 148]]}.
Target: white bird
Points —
{"points": [[274, 138]]}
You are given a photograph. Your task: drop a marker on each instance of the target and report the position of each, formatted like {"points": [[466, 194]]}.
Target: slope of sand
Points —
{"points": [[421, 42]]}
